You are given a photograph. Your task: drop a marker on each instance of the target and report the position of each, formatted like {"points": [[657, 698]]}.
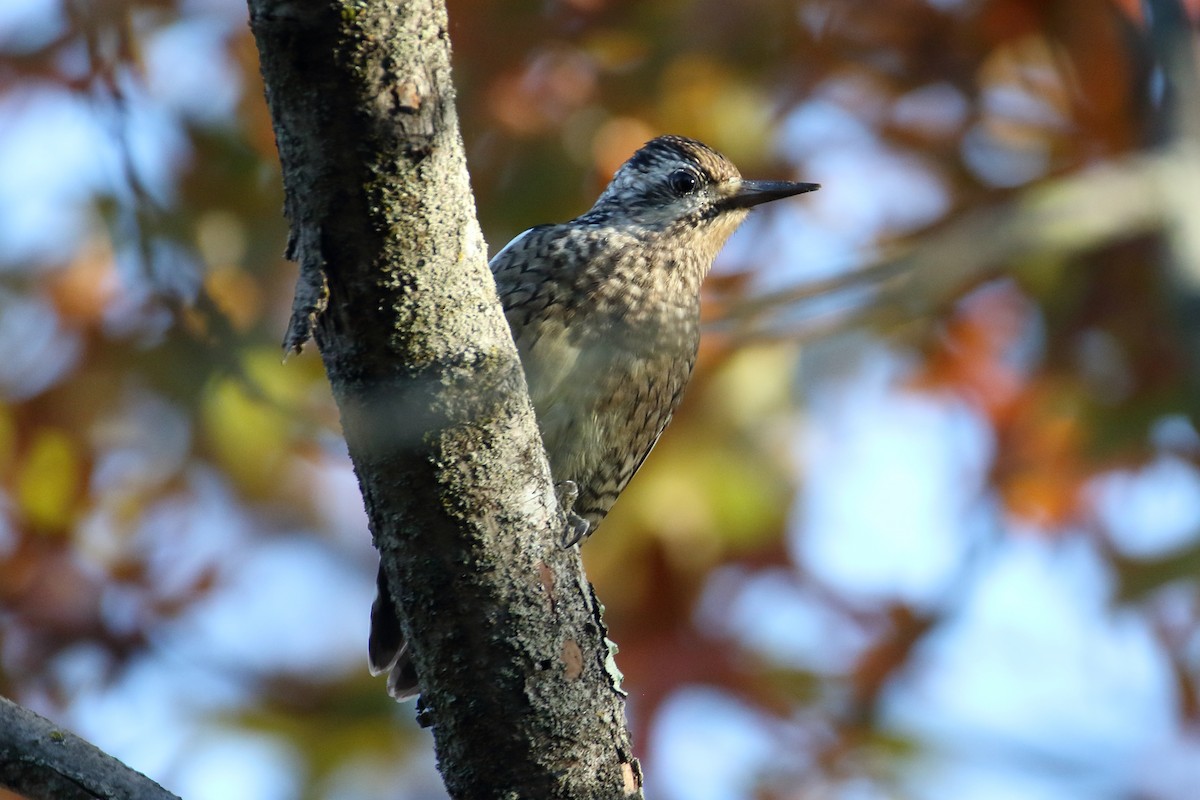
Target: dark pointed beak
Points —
{"points": [[752, 193]]}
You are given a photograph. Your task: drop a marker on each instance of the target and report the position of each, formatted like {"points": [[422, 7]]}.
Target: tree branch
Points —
{"points": [[505, 632], [41, 761]]}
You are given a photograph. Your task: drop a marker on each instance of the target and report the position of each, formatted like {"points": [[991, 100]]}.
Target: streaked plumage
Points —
{"points": [[605, 312]]}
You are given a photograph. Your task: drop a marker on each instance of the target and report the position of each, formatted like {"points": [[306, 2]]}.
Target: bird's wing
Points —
{"points": [[525, 270]]}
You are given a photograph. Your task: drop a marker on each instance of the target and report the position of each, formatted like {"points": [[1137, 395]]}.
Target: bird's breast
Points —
{"points": [[611, 374]]}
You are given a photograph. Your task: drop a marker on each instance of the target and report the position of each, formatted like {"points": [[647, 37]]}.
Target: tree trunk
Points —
{"points": [[506, 635]]}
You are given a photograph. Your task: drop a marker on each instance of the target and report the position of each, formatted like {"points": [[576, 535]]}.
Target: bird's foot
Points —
{"points": [[577, 526]]}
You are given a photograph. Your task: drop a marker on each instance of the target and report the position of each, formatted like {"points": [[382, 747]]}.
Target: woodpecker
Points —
{"points": [[605, 313]]}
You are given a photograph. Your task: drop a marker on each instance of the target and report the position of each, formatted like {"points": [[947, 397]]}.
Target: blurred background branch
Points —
{"points": [[42, 762]]}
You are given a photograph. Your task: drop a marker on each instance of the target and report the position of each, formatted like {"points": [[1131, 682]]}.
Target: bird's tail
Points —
{"points": [[387, 650]]}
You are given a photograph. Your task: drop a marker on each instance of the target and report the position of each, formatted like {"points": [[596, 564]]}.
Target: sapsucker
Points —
{"points": [[605, 312]]}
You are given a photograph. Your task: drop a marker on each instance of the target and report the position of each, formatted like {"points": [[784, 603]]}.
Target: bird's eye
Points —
{"points": [[683, 182]]}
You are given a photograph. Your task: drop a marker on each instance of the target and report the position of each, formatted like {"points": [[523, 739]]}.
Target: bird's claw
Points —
{"points": [[577, 527]]}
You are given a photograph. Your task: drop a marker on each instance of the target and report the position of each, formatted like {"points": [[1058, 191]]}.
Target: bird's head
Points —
{"points": [[684, 188]]}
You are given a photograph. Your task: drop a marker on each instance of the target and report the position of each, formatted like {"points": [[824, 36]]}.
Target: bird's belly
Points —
{"points": [[601, 404]]}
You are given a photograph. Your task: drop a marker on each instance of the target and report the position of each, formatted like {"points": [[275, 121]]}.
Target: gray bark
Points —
{"points": [[394, 286], [41, 761]]}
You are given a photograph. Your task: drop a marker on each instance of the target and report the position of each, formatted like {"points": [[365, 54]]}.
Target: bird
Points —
{"points": [[605, 313]]}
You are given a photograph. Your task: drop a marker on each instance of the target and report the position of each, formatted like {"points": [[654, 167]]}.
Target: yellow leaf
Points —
{"points": [[48, 481], [247, 434], [8, 440]]}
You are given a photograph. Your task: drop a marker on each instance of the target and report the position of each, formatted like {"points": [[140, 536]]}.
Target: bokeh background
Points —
{"points": [[927, 525]]}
